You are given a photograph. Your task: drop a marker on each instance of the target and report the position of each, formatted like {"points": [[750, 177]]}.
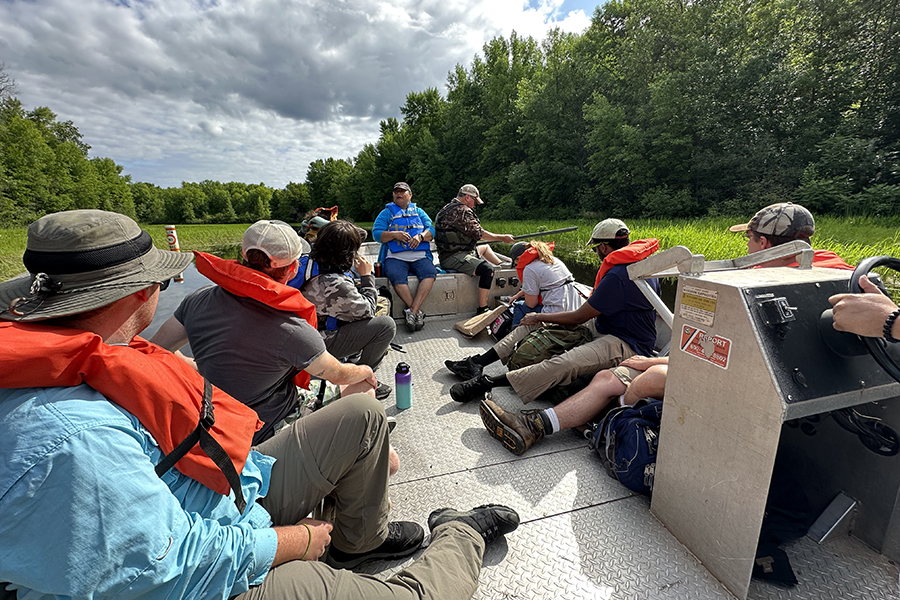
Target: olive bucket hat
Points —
{"points": [[81, 260]]}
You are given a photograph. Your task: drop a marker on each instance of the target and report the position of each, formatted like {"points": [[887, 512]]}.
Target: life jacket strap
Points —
{"points": [[210, 447]]}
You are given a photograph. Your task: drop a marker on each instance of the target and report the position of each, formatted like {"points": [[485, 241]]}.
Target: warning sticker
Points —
{"points": [[711, 348], [698, 304]]}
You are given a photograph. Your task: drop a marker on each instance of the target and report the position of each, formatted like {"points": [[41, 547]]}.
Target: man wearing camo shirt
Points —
{"points": [[457, 231]]}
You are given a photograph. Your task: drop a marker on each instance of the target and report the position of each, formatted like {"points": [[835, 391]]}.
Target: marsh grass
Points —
{"points": [[852, 238]]}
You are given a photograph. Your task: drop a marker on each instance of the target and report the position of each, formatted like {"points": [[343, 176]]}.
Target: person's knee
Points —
{"points": [[485, 275], [364, 407], [386, 327], [393, 462], [649, 384]]}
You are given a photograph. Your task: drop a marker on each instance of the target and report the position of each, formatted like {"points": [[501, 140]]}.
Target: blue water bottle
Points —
{"points": [[403, 386]]}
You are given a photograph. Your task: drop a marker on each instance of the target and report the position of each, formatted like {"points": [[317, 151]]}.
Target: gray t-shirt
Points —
{"points": [[249, 350], [547, 281]]}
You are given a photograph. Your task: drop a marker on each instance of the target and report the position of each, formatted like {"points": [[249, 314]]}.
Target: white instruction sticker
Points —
{"points": [[698, 304]]}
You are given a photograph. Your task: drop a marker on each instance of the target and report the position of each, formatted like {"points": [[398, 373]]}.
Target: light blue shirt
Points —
{"points": [[83, 514]]}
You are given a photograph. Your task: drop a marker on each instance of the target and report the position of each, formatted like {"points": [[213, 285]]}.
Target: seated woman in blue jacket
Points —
{"points": [[405, 233]]}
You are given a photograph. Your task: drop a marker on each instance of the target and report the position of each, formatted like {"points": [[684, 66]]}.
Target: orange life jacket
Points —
{"points": [[245, 282], [631, 253], [157, 387], [827, 260]]}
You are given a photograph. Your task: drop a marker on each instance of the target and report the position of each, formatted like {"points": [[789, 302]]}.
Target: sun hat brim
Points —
{"points": [[83, 292]]}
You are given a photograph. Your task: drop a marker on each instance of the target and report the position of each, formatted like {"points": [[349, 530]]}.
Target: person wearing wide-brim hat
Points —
{"points": [[100, 494], [81, 260]]}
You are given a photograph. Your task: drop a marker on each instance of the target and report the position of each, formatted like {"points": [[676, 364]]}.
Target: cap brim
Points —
{"points": [[479, 201], [155, 266], [739, 228]]}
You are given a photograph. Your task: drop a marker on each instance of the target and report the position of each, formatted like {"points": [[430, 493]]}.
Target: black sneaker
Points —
{"points": [[473, 389], [383, 391], [404, 538], [481, 310], [465, 368], [489, 520]]}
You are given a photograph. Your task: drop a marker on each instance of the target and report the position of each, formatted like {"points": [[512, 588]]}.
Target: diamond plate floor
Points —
{"points": [[583, 535]]}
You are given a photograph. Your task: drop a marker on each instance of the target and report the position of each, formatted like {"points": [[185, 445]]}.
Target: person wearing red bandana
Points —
{"points": [[620, 318], [125, 473]]}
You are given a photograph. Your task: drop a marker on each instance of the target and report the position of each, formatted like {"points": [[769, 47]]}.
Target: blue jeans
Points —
{"points": [[397, 270], [520, 309]]}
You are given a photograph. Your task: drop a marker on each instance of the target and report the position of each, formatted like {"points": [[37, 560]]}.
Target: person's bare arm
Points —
{"points": [[295, 543], [582, 314], [642, 363], [171, 336], [864, 314], [331, 369], [487, 236]]}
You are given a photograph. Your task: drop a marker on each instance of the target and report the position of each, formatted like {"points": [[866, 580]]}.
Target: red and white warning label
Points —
{"points": [[711, 348]]}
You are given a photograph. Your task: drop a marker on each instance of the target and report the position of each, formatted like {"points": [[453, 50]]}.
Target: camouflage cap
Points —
{"points": [[402, 185], [471, 190], [784, 219]]}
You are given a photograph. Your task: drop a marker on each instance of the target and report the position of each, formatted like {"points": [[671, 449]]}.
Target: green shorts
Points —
{"points": [[462, 262]]}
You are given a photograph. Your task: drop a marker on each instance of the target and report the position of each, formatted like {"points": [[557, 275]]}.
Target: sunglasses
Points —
{"points": [[164, 284]]}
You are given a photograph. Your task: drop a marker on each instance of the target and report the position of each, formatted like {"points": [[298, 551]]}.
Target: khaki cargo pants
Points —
{"points": [[342, 450], [603, 352]]}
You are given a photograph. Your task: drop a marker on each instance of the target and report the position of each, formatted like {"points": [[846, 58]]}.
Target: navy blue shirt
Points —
{"points": [[624, 311]]}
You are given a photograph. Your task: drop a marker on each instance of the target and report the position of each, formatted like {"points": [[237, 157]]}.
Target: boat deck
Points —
{"points": [[583, 535]]}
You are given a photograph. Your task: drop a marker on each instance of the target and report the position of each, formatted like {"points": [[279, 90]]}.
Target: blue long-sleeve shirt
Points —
{"points": [[83, 514]]}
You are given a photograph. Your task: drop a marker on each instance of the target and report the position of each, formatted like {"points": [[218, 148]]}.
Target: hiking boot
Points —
{"points": [[489, 520], [410, 320], [465, 368], [420, 321], [404, 538], [473, 389], [518, 432], [383, 391]]}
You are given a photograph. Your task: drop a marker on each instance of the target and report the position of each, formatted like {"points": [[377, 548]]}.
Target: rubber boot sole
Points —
{"points": [[499, 430]]}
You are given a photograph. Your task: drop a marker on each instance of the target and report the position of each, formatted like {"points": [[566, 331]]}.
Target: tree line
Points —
{"points": [[661, 108]]}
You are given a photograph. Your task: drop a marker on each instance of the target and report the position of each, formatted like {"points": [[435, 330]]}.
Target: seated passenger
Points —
{"points": [[96, 503], [346, 315], [547, 284], [251, 334], [405, 233], [621, 320], [457, 232], [646, 377]]}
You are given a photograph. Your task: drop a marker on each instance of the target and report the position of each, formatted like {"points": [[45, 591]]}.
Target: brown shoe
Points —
{"points": [[518, 432]]}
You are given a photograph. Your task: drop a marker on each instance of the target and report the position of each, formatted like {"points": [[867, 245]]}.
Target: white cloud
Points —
{"points": [[244, 90]]}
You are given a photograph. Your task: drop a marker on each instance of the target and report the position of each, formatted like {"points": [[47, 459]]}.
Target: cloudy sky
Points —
{"points": [[247, 90]]}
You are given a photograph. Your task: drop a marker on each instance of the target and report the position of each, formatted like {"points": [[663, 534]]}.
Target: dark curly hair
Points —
{"points": [[336, 245]]}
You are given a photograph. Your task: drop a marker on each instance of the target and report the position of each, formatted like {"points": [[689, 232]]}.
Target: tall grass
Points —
{"points": [[853, 238]]}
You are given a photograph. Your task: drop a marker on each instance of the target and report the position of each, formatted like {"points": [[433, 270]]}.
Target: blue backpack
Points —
{"points": [[626, 440]]}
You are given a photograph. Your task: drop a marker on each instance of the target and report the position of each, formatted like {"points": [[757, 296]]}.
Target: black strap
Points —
{"points": [[210, 447]]}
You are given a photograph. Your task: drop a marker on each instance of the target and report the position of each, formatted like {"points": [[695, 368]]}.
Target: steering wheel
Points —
{"points": [[877, 347]]}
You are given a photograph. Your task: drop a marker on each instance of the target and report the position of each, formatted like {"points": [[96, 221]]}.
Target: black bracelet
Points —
{"points": [[889, 326]]}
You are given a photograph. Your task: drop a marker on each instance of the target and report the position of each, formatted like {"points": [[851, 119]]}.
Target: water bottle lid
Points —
{"points": [[402, 368]]}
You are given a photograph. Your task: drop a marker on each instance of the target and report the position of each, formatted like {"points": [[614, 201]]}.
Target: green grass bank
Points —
{"points": [[853, 238]]}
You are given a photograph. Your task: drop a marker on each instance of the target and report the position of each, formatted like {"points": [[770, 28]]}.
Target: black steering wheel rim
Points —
{"points": [[876, 346]]}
